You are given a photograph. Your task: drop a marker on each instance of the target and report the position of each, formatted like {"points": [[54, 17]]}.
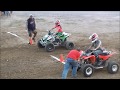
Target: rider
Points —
{"points": [[58, 27], [96, 47]]}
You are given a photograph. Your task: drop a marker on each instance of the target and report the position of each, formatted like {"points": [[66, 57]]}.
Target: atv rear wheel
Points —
{"points": [[69, 45], [112, 67], [39, 44], [87, 70], [49, 47]]}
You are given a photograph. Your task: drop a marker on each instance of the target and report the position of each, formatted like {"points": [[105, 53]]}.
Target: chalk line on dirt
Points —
{"points": [[16, 35]]}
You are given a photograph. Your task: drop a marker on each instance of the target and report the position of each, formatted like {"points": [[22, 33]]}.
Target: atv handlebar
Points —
{"points": [[49, 32], [88, 52]]}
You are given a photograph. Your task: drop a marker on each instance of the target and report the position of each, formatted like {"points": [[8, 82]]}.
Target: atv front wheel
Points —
{"points": [[87, 70], [49, 47], [39, 44], [112, 67], [69, 45]]}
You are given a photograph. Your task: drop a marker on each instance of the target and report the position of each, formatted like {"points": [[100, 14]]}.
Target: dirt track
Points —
{"points": [[22, 61]]}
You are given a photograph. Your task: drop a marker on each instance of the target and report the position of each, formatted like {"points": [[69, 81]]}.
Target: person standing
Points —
{"points": [[72, 61], [31, 26]]}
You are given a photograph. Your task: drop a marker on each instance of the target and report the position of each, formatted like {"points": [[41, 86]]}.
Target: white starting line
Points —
{"points": [[55, 58], [15, 35]]}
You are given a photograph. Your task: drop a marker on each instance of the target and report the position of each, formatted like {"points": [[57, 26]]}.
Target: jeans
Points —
{"points": [[96, 53], [70, 63], [30, 32]]}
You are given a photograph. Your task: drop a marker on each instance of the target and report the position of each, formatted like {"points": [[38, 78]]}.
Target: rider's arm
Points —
{"points": [[97, 46], [53, 27], [90, 46]]}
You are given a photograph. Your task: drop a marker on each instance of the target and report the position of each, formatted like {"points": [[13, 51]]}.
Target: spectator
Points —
{"points": [[31, 26], [72, 61]]}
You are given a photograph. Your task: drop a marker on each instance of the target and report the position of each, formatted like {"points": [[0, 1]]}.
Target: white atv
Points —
{"points": [[51, 40]]}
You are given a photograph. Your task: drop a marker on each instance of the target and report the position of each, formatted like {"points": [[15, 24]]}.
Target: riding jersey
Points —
{"points": [[59, 28], [96, 43]]}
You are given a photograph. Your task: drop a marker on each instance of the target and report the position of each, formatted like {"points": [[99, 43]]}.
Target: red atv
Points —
{"points": [[88, 63]]}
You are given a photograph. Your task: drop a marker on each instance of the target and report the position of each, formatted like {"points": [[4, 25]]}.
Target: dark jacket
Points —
{"points": [[31, 24], [96, 43]]}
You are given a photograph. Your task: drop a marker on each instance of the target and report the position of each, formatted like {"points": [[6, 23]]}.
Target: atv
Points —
{"points": [[88, 63], [51, 40]]}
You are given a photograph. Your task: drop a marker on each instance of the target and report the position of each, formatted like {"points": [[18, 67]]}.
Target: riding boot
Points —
{"points": [[98, 61]]}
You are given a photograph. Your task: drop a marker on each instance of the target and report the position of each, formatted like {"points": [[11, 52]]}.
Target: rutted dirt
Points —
{"points": [[22, 61]]}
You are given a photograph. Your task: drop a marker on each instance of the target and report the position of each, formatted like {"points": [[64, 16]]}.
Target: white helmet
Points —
{"points": [[93, 37], [57, 22]]}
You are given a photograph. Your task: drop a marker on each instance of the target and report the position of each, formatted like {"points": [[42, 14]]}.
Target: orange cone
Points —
{"points": [[61, 58], [30, 41]]}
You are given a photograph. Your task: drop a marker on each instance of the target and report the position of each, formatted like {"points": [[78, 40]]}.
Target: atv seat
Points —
{"points": [[105, 53], [61, 35]]}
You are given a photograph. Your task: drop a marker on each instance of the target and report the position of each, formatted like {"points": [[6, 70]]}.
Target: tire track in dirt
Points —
{"points": [[20, 60]]}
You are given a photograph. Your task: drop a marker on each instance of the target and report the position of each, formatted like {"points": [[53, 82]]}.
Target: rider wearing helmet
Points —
{"points": [[59, 30], [96, 46], [58, 27]]}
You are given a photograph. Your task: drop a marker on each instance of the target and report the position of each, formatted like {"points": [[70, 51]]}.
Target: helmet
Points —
{"points": [[93, 37], [57, 22]]}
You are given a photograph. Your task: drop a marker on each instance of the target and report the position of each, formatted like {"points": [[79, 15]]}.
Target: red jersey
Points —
{"points": [[74, 54], [59, 28]]}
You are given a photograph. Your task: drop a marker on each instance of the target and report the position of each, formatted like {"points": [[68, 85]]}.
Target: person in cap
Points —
{"points": [[31, 26]]}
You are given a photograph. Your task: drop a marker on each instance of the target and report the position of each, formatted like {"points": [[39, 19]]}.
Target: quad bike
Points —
{"points": [[88, 63], [51, 40]]}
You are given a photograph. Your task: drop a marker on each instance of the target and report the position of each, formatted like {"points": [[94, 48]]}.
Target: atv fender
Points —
{"points": [[92, 58]]}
